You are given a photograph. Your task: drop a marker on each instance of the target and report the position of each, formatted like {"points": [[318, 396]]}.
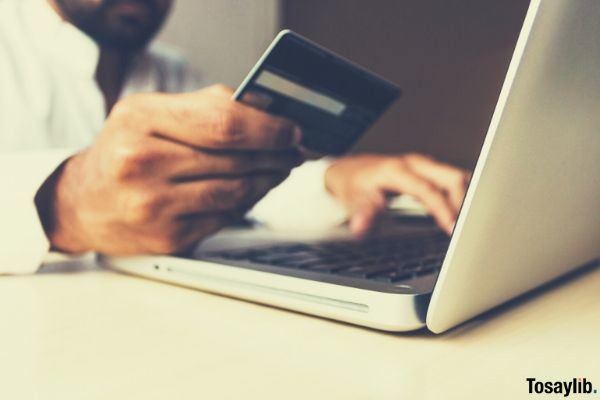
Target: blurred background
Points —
{"points": [[449, 57]]}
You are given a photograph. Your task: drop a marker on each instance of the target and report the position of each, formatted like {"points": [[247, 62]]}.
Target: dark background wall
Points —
{"points": [[448, 56]]}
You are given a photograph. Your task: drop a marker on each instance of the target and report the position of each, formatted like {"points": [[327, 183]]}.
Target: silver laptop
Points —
{"points": [[531, 213]]}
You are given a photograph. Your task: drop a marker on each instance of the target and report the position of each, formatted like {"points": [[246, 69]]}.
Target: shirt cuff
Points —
{"points": [[22, 237], [301, 202]]}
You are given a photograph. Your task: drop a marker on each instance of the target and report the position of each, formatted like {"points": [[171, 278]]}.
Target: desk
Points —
{"points": [[79, 332]]}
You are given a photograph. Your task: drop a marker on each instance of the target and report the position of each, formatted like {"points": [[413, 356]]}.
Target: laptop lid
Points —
{"points": [[532, 211]]}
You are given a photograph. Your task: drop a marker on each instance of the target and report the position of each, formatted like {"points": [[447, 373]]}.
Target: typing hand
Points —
{"points": [[362, 182], [166, 171]]}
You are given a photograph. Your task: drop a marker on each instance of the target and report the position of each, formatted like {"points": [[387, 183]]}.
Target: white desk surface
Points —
{"points": [[79, 332]]}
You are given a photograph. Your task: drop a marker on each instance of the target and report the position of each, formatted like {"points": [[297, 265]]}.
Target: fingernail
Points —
{"points": [[297, 136]]}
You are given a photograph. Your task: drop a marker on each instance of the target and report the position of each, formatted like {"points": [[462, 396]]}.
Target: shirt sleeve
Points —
{"points": [[22, 237], [301, 202]]}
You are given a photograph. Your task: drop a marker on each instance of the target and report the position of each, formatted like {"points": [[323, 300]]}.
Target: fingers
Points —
{"points": [[219, 195], [453, 180], [257, 99], [365, 212], [403, 180], [183, 163], [172, 218], [207, 119]]}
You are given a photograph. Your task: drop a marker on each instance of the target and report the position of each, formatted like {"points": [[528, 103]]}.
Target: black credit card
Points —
{"points": [[333, 100]]}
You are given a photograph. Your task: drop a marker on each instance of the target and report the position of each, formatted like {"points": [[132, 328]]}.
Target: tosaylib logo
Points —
{"points": [[566, 388]]}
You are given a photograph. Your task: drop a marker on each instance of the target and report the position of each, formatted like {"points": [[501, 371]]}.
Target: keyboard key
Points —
{"points": [[423, 272], [410, 266], [357, 272], [322, 267]]}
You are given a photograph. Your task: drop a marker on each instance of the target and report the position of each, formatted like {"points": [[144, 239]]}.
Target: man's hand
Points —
{"points": [[166, 171], [361, 183]]}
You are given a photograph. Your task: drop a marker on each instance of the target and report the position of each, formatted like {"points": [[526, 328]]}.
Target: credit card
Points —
{"points": [[333, 100]]}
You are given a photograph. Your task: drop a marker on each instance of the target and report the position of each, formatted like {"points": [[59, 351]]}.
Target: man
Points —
{"points": [[89, 165]]}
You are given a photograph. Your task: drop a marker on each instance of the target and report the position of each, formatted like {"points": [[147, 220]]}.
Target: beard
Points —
{"points": [[119, 25]]}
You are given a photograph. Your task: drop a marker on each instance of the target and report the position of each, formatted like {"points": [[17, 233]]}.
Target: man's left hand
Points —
{"points": [[363, 182]]}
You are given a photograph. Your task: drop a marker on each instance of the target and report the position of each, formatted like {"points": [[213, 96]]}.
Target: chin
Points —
{"points": [[125, 37]]}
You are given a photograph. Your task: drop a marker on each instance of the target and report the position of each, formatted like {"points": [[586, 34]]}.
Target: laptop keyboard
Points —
{"points": [[385, 259]]}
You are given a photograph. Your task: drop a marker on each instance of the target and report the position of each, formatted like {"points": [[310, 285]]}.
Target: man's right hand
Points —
{"points": [[166, 171]]}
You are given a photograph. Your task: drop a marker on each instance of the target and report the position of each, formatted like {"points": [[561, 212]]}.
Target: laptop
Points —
{"points": [[530, 215]]}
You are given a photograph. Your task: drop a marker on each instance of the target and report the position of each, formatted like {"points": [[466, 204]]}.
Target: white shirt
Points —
{"points": [[51, 107]]}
